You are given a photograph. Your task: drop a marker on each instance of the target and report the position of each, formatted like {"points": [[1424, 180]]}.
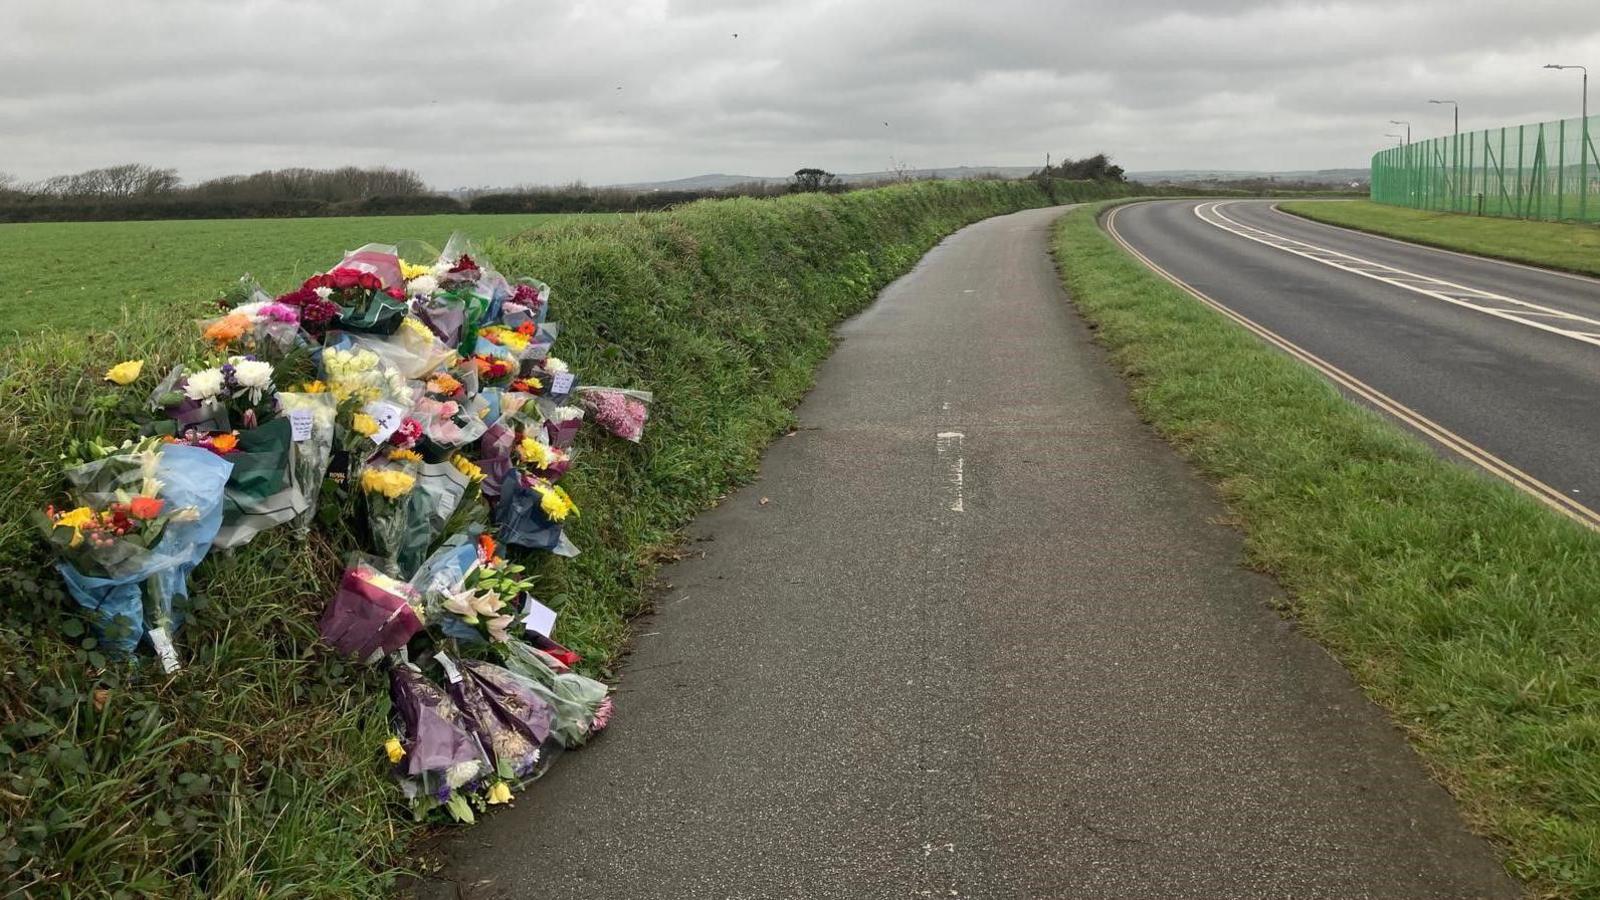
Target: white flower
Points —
{"points": [[554, 366], [324, 292], [252, 373], [564, 414], [422, 285], [441, 268], [203, 385], [253, 310]]}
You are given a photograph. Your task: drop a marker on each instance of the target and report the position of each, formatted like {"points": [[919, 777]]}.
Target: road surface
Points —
{"points": [[975, 632], [1495, 362]]}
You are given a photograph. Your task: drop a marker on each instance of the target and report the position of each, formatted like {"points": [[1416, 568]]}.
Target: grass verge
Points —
{"points": [[1553, 245], [256, 771], [1465, 608]]}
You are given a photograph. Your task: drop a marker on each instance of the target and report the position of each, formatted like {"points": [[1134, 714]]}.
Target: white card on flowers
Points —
{"points": [[539, 618], [562, 383], [387, 415], [300, 425]]}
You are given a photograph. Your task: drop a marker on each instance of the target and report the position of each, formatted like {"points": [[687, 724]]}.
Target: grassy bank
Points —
{"points": [[256, 771], [90, 274], [1553, 245], [1465, 608]]}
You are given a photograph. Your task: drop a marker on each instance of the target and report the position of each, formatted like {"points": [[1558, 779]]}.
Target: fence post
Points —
{"points": [[1561, 166]]}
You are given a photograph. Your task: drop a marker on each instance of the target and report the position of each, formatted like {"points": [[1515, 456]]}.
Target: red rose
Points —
{"points": [[396, 293], [369, 282], [344, 279], [317, 281]]}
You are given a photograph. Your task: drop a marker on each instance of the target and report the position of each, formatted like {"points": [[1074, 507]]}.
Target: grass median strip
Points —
{"points": [[1464, 607], [1565, 246]]}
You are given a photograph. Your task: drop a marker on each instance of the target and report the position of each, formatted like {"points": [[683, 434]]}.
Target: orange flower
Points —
{"points": [[444, 383], [145, 507], [227, 329], [486, 547], [527, 328], [225, 442]]}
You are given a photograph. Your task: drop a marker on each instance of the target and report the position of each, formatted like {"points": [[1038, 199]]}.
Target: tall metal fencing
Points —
{"points": [[1543, 171]]}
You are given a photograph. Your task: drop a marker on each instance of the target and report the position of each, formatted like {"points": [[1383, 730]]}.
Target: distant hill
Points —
{"points": [[1191, 176], [720, 181]]}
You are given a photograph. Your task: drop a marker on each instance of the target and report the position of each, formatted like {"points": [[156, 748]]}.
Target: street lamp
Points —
{"points": [[1455, 152], [1583, 146], [1406, 124], [1399, 139]]}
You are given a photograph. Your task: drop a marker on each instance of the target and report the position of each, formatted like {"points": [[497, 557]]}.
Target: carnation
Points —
{"points": [[554, 366], [251, 373], [323, 292], [422, 286], [203, 385]]}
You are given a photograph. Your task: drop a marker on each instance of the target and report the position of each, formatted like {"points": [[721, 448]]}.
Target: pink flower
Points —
{"points": [[280, 312]]}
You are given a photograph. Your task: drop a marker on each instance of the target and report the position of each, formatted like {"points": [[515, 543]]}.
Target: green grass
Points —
{"points": [[1464, 607], [1554, 245], [84, 274], [256, 773]]}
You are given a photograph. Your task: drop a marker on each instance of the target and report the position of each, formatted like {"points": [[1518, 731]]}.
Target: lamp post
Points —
{"points": [[1407, 160], [1455, 151], [1583, 146], [1399, 139]]}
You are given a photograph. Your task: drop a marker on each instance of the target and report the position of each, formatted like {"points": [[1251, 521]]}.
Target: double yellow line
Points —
{"points": [[1490, 463]]}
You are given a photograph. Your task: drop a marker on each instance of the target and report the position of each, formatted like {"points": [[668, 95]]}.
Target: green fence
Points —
{"points": [[1543, 171]]}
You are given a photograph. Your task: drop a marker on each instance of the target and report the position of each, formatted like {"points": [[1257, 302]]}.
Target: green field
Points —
{"points": [[90, 274], [1464, 607], [1554, 245]]}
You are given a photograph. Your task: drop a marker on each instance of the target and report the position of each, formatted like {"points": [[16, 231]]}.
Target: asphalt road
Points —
{"points": [[976, 632], [1502, 379]]}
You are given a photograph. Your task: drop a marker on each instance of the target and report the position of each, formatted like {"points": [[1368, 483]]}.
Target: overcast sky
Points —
{"points": [[505, 92]]}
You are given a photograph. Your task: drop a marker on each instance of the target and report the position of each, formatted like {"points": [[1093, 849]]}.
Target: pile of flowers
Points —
{"points": [[413, 408]]}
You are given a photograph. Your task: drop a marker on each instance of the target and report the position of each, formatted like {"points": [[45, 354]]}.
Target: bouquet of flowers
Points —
{"points": [[438, 761], [539, 459], [620, 412], [144, 516], [560, 423], [510, 721], [581, 706], [397, 524], [529, 302], [311, 418], [371, 614], [253, 322], [531, 513]]}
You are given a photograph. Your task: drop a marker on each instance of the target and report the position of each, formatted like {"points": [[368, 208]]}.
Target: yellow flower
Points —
{"points": [[400, 454], [535, 452], [555, 502], [313, 387], [75, 520], [124, 373], [408, 271], [415, 326], [499, 792], [467, 467], [393, 748], [364, 425], [391, 483]]}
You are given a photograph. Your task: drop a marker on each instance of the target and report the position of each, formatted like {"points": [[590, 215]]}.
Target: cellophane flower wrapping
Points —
{"points": [[140, 589], [581, 706], [308, 456], [261, 491], [371, 613], [510, 720], [560, 423], [442, 575], [522, 520], [620, 412], [412, 350], [443, 758], [397, 515]]}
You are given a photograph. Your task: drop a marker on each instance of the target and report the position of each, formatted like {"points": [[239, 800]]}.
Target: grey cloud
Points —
{"points": [[485, 92]]}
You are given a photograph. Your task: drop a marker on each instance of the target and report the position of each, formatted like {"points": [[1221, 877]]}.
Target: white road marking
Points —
{"points": [[949, 444], [1498, 305]]}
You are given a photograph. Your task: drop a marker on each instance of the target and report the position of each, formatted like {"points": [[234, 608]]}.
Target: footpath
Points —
{"points": [[976, 632]]}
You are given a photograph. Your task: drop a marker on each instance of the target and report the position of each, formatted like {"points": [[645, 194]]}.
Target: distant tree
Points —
{"points": [[1098, 167], [813, 180]]}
